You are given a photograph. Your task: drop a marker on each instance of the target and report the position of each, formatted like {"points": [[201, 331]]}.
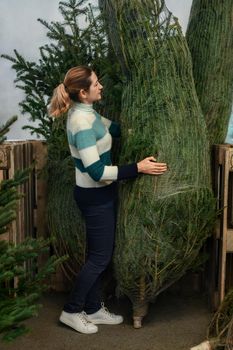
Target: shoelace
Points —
{"points": [[82, 317], [105, 310]]}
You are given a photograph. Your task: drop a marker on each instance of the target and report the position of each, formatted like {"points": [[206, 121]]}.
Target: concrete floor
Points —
{"points": [[174, 322]]}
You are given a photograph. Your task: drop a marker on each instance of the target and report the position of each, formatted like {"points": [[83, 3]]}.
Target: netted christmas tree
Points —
{"points": [[78, 39], [163, 221], [20, 287], [210, 40]]}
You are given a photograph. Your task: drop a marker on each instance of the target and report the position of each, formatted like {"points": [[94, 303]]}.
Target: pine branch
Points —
{"points": [[6, 127]]}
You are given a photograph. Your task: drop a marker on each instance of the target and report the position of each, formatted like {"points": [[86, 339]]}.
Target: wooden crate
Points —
{"points": [[31, 215], [221, 262]]}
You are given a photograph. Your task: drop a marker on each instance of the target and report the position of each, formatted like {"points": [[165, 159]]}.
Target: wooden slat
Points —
{"points": [[230, 241], [4, 158], [40, 199], [222, 240]]}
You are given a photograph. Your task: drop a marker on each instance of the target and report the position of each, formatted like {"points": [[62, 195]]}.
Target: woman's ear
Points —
{"points": [[82, 94]]}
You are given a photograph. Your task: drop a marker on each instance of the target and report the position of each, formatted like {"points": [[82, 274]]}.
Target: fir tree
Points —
{"points": [[210, 40], [20, 288]]}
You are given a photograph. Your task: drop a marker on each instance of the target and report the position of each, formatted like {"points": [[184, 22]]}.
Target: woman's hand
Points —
{"points": [[151, 167]]}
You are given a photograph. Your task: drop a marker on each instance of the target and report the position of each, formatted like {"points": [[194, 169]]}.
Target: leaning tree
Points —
{"points": [[210, 40]]}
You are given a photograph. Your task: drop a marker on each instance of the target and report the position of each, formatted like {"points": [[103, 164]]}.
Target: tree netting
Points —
{"points": [[210, 40], [163, 221], [64, 219]]}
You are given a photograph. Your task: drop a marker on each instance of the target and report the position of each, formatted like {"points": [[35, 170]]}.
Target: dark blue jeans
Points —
{"points": [[100, 234]]}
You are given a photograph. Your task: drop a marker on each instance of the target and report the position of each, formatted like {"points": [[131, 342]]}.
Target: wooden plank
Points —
{"points": [[215, 244], [40, 157], [229, 272], [18, 155], [222, 239], [4, 158], [11, 171], [223, 251], [29, 191], [217, 229], [230, 240], [40, 213]]}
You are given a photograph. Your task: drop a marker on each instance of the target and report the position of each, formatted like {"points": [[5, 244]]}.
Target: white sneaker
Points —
{"points": [[78, 321], [103, 316]]}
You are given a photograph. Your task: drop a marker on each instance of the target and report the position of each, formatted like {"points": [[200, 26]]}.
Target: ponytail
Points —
{"points": [[66, 93], [60, 102]]}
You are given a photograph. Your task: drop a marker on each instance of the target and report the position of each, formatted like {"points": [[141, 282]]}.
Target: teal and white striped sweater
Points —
{"points": [[90, 142]]}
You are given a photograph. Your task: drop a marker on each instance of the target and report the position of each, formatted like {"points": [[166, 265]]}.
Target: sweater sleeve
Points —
{"points": [[128, 171], [85, 142]]}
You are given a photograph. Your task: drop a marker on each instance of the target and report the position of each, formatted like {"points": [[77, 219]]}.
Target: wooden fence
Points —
{"points": [[30, 220]]}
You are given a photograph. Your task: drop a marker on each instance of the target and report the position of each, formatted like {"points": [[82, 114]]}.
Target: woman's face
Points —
{"points": [[94, 92]]}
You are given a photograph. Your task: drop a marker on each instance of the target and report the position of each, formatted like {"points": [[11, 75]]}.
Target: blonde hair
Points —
{"points": [[66, 93]]}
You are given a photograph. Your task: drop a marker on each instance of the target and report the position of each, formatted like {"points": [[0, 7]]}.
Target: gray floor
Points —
{"points": [[174, 322]]}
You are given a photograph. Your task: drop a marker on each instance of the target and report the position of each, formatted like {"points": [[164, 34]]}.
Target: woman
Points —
{"points": [[90, 140]]}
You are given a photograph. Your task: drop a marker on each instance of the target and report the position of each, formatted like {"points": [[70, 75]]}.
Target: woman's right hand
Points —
{"points": [[151, 167]]}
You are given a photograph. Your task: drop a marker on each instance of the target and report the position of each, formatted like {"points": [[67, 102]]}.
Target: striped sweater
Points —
{"points": [[90, 141]]}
